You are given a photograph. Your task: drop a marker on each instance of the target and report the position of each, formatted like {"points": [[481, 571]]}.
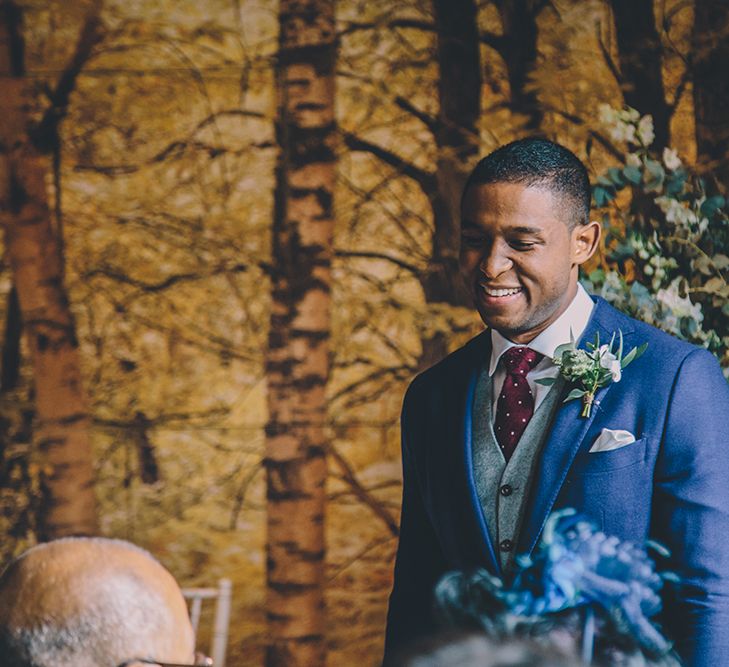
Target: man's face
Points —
{"points": [[519, 258]]}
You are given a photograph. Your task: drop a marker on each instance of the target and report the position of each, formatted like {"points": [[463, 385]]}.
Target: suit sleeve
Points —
{"points": [[419, 562], [691, 509]]}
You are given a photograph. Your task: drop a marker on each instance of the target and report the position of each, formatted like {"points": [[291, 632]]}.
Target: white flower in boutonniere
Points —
{"points": [[590, 369]]}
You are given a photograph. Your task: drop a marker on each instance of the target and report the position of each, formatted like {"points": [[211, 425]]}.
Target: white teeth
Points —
{"points": [[501, 292]]}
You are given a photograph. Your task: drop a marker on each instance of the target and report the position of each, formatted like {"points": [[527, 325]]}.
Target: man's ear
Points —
{"points": [[585, 240]]}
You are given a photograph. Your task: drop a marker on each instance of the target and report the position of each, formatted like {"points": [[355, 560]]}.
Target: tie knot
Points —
{"points": [[520, 360]]}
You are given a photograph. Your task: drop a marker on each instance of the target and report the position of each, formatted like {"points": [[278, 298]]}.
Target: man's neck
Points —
{"points": [[568, 326]]}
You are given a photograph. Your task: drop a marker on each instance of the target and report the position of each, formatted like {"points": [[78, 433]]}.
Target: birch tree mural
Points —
{"points": [[298, 355], [33, 246]]}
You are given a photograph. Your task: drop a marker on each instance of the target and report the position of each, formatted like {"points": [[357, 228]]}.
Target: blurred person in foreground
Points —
{"points": [[91, 602], [476, 650], [514, 425]]}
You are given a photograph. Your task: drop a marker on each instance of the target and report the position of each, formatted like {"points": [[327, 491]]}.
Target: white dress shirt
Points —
{"points": [[573, 320]]}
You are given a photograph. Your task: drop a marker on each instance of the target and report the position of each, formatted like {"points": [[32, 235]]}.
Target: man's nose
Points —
{"points": [[494, 262]]}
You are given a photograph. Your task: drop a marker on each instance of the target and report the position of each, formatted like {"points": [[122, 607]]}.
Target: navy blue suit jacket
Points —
{"points": [[671, 485]]}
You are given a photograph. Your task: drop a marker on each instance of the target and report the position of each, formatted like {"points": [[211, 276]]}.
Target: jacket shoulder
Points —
{"points": [[452, 369], [665, 353], [609, 317]]}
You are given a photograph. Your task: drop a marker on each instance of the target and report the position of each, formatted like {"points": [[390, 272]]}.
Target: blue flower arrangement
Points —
{"points": [[580, 583]]}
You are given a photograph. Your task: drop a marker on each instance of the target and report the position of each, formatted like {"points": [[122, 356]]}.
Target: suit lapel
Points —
{"points": [[567, 432], [467, 449]]}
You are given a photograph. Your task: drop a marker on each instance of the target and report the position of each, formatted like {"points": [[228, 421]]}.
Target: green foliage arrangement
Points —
{"points": [[666, 239]]}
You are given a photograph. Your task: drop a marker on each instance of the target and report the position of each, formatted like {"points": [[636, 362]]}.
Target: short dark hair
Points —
{"points": [[540, 163]]}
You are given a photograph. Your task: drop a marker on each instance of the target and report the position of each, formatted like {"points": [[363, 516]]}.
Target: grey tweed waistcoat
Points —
{"points": [[503, 488]]}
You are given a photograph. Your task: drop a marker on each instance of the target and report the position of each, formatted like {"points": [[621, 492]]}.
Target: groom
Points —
{"points": [[489, 453]]}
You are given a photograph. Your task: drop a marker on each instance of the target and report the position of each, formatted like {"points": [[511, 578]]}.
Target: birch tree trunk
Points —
{"points": [[457, 141], [641, 58], [711, 87], [518, 48], [33, 251], [298, 355]]}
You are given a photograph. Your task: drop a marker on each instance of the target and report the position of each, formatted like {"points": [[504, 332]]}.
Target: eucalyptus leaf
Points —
{"points": [[654, 176], [632, 174], [655, 169], [658, 548], [561, 349], [620, 345], [616, 176], [712, 205], [602, 196], [575, 393], [622, 251], [628, 358], [675, 183], [597, 276], [688, 326], [633, 355]]}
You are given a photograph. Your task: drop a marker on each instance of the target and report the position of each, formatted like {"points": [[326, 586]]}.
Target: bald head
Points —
{"points": [[86, 602]]}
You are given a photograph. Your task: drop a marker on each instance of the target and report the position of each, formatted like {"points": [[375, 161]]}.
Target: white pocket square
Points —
{"points": [[609, 439]]}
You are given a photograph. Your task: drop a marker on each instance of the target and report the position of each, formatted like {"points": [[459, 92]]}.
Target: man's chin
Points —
{"points": [[506, 326], [518, 330]]}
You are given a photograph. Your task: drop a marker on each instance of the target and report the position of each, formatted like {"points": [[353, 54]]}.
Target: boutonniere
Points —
{"points": [[590, 369]]}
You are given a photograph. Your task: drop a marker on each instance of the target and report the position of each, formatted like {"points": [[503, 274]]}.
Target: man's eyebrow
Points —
{"points": [[517, 229], [523, 229]]}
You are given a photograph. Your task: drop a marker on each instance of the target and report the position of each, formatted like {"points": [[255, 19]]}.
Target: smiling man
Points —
{"points": [[489, 452]]}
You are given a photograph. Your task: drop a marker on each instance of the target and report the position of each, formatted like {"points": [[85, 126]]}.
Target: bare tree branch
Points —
{"points": [[370, 547], [362, 493], [120, 276], [388, 380], [164, 418], [360, 26], [608, 145], [406, 105], [177, 148], [606, 55], [379, 255], [240, 495], [425, 179], [45, 135]]}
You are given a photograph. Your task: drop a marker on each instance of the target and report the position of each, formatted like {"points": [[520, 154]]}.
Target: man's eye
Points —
{"points": [[522, 245]]}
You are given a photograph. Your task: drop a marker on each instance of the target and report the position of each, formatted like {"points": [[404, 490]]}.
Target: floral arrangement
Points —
{"points": [[590, 369], [579, 584], [667, 243]]}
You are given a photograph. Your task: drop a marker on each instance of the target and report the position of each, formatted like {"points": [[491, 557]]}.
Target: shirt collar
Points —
{"points": [[574, 320]]}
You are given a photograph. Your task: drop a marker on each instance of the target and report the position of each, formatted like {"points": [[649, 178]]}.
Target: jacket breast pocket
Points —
{"points": [[587, 463]]}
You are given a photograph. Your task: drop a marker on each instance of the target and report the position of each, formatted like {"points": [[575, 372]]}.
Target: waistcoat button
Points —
{"points": [[506, 490], [506, 545]]}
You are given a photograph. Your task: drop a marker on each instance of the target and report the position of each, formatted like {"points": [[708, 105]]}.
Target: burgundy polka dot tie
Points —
{"points": [[515, 406]]}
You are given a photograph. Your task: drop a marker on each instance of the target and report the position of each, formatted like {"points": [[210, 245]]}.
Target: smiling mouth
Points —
{"points": [[500, 292]]}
